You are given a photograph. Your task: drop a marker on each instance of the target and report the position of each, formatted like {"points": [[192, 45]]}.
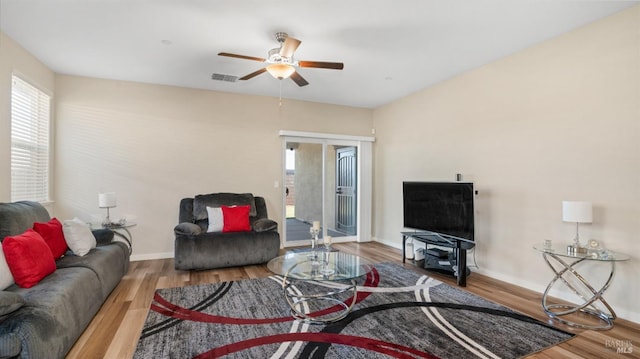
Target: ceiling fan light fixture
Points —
{"points": [[281, 64], [281, 71]]}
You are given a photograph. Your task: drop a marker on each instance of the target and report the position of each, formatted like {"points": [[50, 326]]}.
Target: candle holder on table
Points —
{"points": [[314, 231]]}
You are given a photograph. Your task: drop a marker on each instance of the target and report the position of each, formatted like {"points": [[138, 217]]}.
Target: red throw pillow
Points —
{"points": [[236, 218], [52, 234], [29, 258]]}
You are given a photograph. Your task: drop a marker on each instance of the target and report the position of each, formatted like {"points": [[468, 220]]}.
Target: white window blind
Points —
{"points": [[29, 142]]}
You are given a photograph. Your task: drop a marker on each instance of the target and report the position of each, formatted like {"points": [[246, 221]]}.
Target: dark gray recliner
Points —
{"points": [[197, 249]]}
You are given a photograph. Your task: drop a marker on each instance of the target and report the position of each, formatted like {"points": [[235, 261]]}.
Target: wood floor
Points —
{"points": [[115, 330]]}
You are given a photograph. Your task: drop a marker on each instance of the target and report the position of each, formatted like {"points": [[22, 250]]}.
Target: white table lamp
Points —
{"points": [[107, 200], [578, 212]]}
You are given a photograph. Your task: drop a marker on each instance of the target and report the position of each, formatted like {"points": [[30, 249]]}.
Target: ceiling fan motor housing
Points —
{"points": [[281, 37], [275, 58], [274, 54]]}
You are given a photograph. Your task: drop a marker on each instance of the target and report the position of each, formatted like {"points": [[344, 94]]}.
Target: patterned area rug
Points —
{"points": [[398, 314]]}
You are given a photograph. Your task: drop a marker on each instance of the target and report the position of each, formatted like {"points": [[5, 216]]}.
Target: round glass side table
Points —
{"points": [[563, 262], [122, 230]]}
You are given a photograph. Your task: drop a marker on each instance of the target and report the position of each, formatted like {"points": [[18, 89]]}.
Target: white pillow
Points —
{"points": [[78, 236], [216, 220], [6, 278]]}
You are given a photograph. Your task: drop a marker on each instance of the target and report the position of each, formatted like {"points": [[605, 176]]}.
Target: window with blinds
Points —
{"points": [[30, 109]]}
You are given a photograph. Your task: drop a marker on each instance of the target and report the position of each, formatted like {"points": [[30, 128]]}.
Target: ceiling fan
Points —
{"points": [[281, 62]]}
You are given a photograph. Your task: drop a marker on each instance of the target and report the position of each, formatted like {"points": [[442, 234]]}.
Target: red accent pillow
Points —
{"points": [[52, 234], [236, 218], [29, 258]]}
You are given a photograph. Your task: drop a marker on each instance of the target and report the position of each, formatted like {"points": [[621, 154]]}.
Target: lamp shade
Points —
{"points": [[107, 200], [280, 71], [577, 211]]}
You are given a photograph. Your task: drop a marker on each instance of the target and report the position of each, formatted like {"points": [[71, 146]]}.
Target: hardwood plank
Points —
{"points": [[109, 320], [115, 330], [126, 338], [146, 289]]}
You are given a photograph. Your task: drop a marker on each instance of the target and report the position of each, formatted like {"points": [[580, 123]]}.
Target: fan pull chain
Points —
{"points": [[280, 104]]}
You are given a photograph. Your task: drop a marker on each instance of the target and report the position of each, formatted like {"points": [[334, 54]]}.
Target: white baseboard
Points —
{"points": [[394, 244], [150, 256]]}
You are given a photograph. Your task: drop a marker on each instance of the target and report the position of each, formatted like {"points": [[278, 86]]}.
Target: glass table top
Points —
{"points": [[596, 254], [326, 266]]}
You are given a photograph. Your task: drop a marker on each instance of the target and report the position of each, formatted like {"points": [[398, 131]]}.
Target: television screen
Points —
{"points": [[440, 207]]}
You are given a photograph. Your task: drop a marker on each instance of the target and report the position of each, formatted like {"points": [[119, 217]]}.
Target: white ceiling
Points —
{"points": [[390, 48]]}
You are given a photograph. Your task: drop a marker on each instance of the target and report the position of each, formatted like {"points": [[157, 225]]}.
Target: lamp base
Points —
{"points": [[107, 221], [573, 249]]}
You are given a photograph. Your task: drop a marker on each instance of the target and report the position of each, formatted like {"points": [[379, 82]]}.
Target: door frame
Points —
{"points": [[364, 145]]}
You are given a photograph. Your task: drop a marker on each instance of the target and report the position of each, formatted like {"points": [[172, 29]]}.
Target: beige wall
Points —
{"points": [[154, 145], [558, 121], [15, 59]]}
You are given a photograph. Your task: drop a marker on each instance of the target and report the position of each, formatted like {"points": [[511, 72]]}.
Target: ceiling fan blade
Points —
{"points": [[298, 79], [322, 65], [253, 74], [289, 47], [259, 59]]}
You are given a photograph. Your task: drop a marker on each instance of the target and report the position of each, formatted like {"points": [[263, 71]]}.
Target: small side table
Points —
{"points": [[567, 275], [122, 231]]}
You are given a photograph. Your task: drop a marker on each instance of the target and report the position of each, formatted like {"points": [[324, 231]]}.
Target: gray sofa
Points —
{"points": [[197, 249], [44, 321]]}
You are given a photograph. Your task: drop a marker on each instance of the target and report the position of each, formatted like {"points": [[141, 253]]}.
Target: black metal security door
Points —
{"points": [[346, 180]]}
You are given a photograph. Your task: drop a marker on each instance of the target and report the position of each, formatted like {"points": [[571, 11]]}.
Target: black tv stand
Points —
{"points": [[459, 246]]}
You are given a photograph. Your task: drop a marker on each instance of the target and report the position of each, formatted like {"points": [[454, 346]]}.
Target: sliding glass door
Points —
{"points": [[322, 177], [303, 189]]}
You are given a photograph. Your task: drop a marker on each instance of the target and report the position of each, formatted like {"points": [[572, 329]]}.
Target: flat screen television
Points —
{"points": [[445, 208]]}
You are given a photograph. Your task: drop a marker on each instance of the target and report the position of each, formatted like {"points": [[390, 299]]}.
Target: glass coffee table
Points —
{"points": [[320, 287]]}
